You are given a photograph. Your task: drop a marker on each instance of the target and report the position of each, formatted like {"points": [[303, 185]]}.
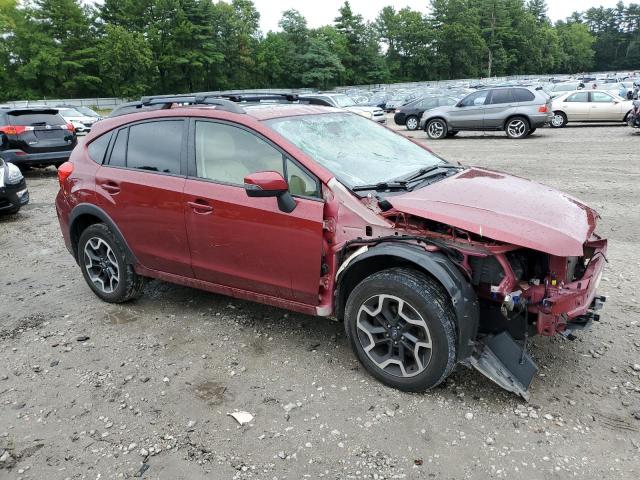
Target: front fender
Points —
{"points": [[439, 266]]}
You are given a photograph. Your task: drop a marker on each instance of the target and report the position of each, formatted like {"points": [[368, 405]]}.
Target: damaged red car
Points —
{"points": [[429, 264]]}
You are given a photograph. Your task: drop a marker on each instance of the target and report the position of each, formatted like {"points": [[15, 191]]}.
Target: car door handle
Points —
{"points": [[112, 188], [200, 207]]}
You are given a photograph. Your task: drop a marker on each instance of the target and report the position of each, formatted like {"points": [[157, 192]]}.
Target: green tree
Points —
{"points": [[322, 66], [125, 62], [361, 55], [576, 43]]}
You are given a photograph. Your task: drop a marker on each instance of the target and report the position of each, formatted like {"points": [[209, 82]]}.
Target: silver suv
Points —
{"points": [[516, 110]]}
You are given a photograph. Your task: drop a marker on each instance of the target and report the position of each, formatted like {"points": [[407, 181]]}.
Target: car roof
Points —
{"points": [[255, 112]]}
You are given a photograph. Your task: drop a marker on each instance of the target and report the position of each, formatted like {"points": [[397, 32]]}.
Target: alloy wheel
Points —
{"points": [[412, 123], [557, 120], [394, 335], [516, 128], [101, 265], [435, 129]]}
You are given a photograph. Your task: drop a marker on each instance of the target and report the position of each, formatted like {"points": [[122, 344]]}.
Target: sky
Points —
{"points": [[322, 12]]}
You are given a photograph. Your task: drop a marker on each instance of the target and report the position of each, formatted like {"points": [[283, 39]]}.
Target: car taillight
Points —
{"points": [[543, 109], [69, 126], [64, 171], [15, 129]]}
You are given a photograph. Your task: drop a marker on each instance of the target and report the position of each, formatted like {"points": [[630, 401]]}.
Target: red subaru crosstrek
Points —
{"points": [[321, 211]]}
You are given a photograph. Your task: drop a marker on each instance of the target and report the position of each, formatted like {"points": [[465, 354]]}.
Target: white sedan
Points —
{"points": [[81, 122], [589, 106]]}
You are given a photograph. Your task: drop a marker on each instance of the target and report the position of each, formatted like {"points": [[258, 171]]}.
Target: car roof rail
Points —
{"points": [[194, 99], [257, 97]]}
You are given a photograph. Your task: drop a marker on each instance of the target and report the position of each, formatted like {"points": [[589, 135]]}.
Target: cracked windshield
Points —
{"points": [[356, 150]]}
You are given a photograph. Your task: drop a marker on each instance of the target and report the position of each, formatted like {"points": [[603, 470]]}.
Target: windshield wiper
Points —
{"points": [[395, 185], [427, 172]]}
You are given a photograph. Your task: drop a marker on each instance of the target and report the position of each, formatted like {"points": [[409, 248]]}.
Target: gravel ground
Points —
{"points": [[92, 390]]}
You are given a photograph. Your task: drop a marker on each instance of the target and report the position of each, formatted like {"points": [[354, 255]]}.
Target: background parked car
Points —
{"points": [[399, 99], [519, 111], [589, 106], [558, 89], [13, 188], [410, 114], [35, 136], [340, 100], [86, 111], [81, 122]]}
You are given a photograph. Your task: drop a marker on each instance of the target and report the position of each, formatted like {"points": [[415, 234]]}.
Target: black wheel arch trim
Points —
{"points": [[444, 270], [90, 209]]}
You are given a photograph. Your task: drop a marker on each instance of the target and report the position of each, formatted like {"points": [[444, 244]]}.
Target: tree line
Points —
{"points": [[125, 48]]}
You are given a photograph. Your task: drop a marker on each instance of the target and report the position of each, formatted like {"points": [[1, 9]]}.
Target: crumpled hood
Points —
{"points": [[504, 208]]}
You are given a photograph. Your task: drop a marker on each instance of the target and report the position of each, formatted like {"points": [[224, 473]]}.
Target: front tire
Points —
{"points": [[517, 128], [559, 120], [412, 123], [401, 325], [436, 129], [104, 265]]}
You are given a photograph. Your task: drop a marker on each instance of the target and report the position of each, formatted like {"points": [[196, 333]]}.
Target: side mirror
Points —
{"points": [[270, 184], [459, 104]]}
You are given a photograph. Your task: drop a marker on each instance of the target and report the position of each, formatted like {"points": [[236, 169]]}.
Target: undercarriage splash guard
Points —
{"points": [[502, 360]]}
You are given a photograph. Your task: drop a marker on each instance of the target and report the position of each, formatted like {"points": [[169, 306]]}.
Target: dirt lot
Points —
{"points": [[156, 378]]}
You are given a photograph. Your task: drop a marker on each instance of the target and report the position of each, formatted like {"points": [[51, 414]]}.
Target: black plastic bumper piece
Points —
{"points": [[502, 360]]}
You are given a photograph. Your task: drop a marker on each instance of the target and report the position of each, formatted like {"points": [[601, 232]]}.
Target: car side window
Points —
{"points": [[118, 156], [578, 97], [156, 146], [475, 99], [429, 104], [501, 96], [99, 146], [601, 97], [227, 154], [523, 95], [300, 181]]}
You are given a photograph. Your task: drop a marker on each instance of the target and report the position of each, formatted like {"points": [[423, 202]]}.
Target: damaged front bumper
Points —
{"points": [[560, 308], [567, 305]]}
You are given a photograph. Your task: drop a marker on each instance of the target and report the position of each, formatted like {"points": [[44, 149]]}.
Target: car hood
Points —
{"points": [[504, 208]]}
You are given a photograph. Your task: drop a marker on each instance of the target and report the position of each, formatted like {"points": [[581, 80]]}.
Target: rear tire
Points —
{"points": [[436, 129], [401, 325], [102, 258], [559, 120], [517, 128], [412, 122]]}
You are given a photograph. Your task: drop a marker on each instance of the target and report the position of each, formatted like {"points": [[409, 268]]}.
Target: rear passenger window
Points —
{"points": [[119, 153], [155, 146], [523, 95], [501, 96], [99, 146]]}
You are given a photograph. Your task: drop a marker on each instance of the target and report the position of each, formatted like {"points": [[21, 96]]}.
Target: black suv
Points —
{"points": [[35, 136]]}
